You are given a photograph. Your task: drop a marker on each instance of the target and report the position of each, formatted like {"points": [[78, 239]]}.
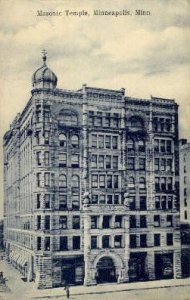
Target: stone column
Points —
{"points": [[151, 265]]}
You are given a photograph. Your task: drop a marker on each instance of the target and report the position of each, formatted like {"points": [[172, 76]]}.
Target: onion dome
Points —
{"points": [[44, 77]]}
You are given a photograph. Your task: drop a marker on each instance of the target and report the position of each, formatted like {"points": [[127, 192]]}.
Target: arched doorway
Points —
{"points": [[106, 271]]}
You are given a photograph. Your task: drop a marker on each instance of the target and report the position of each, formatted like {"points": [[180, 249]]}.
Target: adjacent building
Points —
{"points": [[92, 186]]}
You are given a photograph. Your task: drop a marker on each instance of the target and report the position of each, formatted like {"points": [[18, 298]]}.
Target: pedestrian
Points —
{"points": [[67, 292]]}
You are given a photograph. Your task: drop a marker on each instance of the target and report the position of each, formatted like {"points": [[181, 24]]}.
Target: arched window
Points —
{"points": [[142, 183], [131, 184], [130, 146], [141, 146], [67, 117], [62, 181], [136, 122], [62, 140], [75, 181], [75, 141]]}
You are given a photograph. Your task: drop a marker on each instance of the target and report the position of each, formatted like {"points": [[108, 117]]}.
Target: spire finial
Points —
{"points": [[44, 56]]}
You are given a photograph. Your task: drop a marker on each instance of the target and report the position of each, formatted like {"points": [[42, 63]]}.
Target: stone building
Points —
{"points": [[91, 186]]}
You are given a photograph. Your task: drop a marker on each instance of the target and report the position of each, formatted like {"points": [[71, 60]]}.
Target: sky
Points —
{"points": [[147, 54]]}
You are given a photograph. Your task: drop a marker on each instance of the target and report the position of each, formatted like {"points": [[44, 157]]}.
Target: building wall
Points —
{"points": [[91, 177]]}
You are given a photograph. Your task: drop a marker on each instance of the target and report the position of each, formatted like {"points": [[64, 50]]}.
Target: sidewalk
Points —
{"points": [[27, 290]]}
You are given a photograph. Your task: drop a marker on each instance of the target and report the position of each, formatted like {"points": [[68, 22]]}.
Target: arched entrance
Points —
{"points": [[106, 271]]}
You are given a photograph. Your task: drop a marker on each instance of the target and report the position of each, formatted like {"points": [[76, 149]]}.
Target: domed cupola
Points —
{"points": [[44, 77]]}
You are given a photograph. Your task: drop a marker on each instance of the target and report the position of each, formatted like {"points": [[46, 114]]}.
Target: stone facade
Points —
{"points": [[91, 186]]}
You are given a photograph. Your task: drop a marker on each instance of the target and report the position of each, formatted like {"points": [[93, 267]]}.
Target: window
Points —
{"points": [[163, 164], [131, 183], [118, 241], [141, 146], [38, 222], [115, 142], [46, 158], [39, 243], [143, 240], [185, 215], [169, 220], [169, 165], [141, 163], [38, 158], [106, 222], [107, 121], [130, 146], [132, 221], [38, 201], [162, 146], [163, 202], [142, 202], [98, 121], [62, 182], [62, 159], [157, 202], [75, 202], [185, 180], [62, 222], [101, 162], [169, 146], [169, 183], [118, 221], [62, 202], [136, 122], [94, 140], [132, 241], [63, 243], [47, 200], [75, 183], [102, 181], [163, 183], [116, 199], [115, 120], [156, 221], [142, 183], [94, 244], [132, 203], [130, 163], [47, 222], [76, 242], [37, 134], [109, 199], [47, 243], [94, 199], [38, 116], [156, 164], [101, 141], [46, 116], [76, 222], [116, 181], [156, 239], [106, 241], [108, 161], [157, 184], [47, 179], [75, 160], [75, 141], [108, 142], [94, 222], [94, 161], [115, 162], [143, 222], [156, 145], [46, 137], [169, 239], [67, 117], [62, 140], [102, 199], [38, 179], [94, 181], [109, 181]]}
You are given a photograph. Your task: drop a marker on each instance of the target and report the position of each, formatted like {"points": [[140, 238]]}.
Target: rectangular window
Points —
{"points": [[108, 161], [130, 163], [157, 184], [156, 221], [94, 199], [75, 160], [38, 116], [156, 164], [116, 181], [132, 203], [132, 221], [109, 199], [163, 183], [94, 140], [107, 121], [46, 137], [169, 220], [39, 243], [38, 158], [114, 142], [98, 121], [102, 181], [62, 159], [47, 200], [62, 202], [63, 222], [116, 199], [157, 202], [163, 164], [38, 179], [47, 243], [156, 145], [106, 222], [47, 222], [94, 222], [101, 162], [115, 162], [162, 146], [63, 243], [109, 181], [169, 239], [169, 165], [94, 244], [118, 241], [101, 141], [143, 240], [46, 158], [94, 181], [38, 222], [169, 146], [108, 141], [142, 163], [76, 242], [143, 222], [142, 202], [47, 179], [46, 116], [102, 199], [118, 221], [163, 203], [76, 222], [132, 241], [156, 239], [94, 161], [75, 202], [169, 183], [106, 241], [38, 204]]}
